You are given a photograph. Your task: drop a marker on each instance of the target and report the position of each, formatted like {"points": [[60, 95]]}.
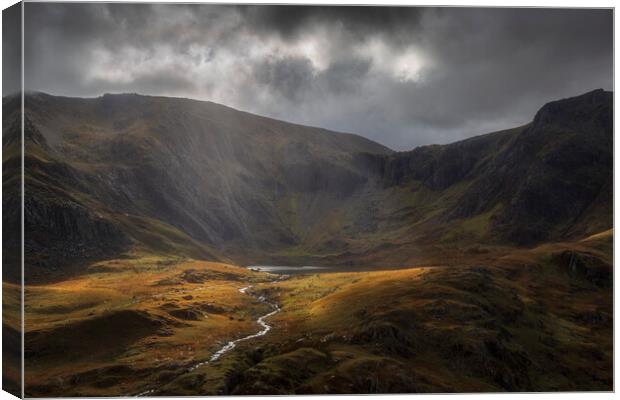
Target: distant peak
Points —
{"points": [[593, 95], [121, 95], [589, 103]]}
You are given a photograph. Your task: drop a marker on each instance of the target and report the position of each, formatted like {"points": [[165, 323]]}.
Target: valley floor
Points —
{"points": [[525, 320]]}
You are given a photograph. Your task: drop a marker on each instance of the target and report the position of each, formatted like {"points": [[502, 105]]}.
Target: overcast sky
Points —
{"points": [[401, 76]]}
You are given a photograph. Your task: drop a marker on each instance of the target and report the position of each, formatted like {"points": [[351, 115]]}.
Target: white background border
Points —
{"points": [[470, 3]]}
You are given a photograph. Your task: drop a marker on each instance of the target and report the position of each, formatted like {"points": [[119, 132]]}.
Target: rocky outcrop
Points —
{"points": [[584, 266], [58, 231]]}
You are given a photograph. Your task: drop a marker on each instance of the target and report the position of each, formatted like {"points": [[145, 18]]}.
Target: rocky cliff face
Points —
{"points": [[541, 178], [122, 172], [560, 166]]}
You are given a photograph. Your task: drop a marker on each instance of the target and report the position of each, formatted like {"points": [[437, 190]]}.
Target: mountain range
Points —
{"points": [[483, 265], [128, 173]]}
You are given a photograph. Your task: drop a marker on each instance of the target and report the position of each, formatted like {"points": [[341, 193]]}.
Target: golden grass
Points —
{"points": [[508, 319], [196, 315]]}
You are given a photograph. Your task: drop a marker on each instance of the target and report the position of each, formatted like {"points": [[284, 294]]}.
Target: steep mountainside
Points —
{"points": [[123, 173], [547, 180], [177, 176]]}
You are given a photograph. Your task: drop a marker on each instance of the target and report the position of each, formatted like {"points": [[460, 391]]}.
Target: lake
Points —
{"points": [[286, 269]]}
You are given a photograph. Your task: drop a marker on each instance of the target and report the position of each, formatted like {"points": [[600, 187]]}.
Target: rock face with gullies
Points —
{"points": [[69, 227], [197, 178], [439, 167], [546, 177], [561, 166]]}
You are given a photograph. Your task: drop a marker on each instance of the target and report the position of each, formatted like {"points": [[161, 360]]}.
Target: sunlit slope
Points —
{"points": [[535, 320], [128, 323]]}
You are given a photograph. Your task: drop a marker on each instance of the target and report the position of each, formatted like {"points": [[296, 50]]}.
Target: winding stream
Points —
{"points": [[233, 343]]}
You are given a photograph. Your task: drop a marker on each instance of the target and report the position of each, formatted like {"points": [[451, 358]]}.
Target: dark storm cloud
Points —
{"points": [[346, 76], [401, 76], [289, 76], [290, 22]]}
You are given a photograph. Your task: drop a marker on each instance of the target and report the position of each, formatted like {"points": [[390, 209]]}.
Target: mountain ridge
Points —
{"points": [[196, 178], [32, 94]]}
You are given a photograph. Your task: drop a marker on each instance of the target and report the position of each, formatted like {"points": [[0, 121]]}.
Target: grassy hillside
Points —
{"points": [[528, 320], [115, 327]]}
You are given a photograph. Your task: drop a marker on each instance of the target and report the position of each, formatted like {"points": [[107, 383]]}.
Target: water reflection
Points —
{"points": [[284, 269]]}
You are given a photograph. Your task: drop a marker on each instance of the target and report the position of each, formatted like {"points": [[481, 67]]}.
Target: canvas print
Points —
{"points": [[205, 199]]}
